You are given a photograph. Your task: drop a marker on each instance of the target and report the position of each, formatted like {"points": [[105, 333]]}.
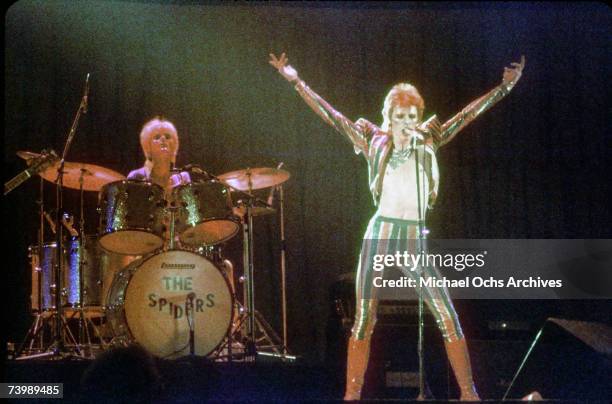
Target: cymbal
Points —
{"points": [[255, 178], [94, 177]]}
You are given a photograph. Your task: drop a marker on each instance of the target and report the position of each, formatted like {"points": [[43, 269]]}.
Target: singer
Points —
{"points": [[392, 179]]}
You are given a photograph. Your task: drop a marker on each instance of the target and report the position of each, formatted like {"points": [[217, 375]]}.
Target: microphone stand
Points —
{"points": [[420, 249], [190, 320], [57, 345]]}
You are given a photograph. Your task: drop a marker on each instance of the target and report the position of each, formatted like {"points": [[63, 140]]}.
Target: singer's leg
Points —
{"points": [[366, 305], [440, 304]]}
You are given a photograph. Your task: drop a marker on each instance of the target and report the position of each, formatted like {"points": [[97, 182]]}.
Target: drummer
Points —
{"points": [[160, 143]]}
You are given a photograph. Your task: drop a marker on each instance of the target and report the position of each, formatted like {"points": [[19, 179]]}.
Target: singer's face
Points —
{"points": [[403, 121], [163, 141]]}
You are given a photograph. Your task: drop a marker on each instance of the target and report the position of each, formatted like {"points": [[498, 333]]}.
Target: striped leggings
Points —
{"points": [[387, 236]]}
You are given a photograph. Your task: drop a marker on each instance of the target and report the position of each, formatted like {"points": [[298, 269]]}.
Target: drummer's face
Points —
{"points": [[163, 141]]}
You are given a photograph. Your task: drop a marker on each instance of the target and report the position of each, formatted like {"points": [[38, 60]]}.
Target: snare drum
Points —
{"points": [[149, 299], [131, 217], [204, 215]]}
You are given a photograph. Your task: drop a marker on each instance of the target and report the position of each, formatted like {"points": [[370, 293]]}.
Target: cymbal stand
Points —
{"points": [[249, 290], [283, 267], [57, 346], [259, 331], [254, 320]]}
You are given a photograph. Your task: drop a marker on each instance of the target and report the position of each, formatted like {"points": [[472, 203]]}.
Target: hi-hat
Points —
{"points": [[255, 178], [94, 177]]}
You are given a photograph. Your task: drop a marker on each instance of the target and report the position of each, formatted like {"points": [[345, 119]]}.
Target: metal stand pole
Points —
{"points": [[420, 249], [57, 346], [283, 267]]}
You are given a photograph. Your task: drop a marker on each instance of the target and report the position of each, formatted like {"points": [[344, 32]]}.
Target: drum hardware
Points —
{"points": [[243, 182], [36, 329], [37, 163], [283, 266], [85, 321], [42, 299], [57, 347], [172, 211]]}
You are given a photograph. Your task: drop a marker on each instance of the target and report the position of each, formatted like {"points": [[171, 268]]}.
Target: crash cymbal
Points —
{"points": [[255, 178], [94, 177]]}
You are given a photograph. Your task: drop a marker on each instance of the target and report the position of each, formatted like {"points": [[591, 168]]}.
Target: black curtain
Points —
{"points": [[535, 166]]}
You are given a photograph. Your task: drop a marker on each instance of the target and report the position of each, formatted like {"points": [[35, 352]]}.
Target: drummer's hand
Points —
{"points": [[287, 71]]}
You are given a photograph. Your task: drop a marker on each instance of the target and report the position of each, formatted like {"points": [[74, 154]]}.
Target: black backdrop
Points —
{"points": [[535, 166]]}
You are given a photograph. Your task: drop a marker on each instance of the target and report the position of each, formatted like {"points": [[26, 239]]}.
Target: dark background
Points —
{"points": [[536, 166]]}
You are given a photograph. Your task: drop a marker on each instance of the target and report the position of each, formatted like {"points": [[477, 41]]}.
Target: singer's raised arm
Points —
{"points": [[357, 132], [454, 125]]}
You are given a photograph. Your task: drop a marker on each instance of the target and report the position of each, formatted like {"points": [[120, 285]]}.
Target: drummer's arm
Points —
{"points": [[355, 132]]}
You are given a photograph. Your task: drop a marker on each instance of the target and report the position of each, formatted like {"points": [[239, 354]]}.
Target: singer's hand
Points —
{"points": [[513, 74], [287, 71]]}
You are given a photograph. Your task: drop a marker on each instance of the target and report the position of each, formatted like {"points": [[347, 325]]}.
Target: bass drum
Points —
{"points": [[148, 303]]}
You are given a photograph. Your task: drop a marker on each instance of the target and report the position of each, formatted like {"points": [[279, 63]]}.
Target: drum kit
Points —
{"points": [[153, 274]]}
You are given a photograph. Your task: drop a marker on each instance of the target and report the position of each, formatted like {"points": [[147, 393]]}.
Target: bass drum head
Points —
{"points": [[154, 303]]}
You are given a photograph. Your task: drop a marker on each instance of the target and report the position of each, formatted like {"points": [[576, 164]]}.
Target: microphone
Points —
{"points": [[413, 140], [415, 135], [86, 94]]}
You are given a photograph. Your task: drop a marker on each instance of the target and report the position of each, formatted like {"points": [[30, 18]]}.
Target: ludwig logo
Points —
{"points": [[172, 265]]}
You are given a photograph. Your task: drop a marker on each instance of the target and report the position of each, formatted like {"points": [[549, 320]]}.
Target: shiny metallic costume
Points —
{"points": [[376, 146], [386, 236]]}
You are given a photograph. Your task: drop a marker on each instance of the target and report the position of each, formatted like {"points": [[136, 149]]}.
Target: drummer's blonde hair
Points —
{"points": [[145, 136], [403, 95]]}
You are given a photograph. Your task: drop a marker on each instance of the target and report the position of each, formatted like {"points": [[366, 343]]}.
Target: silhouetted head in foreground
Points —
{"points": [[121, 375]]}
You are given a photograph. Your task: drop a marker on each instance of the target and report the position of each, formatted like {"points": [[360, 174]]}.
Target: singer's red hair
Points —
{"points": [[403, 95]]}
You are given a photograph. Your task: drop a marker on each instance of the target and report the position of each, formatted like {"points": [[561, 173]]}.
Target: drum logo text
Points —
{"points": [[178, 310], [171, 265]]}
